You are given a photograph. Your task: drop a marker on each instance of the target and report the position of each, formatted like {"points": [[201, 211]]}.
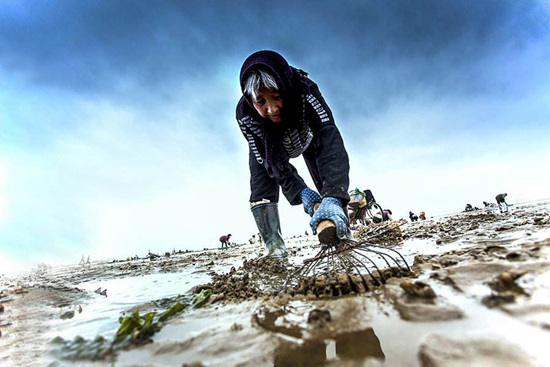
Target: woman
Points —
{"points": [[282, 115]]}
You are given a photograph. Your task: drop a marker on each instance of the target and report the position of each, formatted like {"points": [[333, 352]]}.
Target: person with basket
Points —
{"points": [[357, 204], [282, 115]]}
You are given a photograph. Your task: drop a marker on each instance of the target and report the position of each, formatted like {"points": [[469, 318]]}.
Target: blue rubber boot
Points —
{"points": [[266, 216]]}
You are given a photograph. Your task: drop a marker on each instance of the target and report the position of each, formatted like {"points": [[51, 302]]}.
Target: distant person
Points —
{"points": [[423, 215], [413, 217], [282, 115], [385, 216], [501, 202], [225, 240]]}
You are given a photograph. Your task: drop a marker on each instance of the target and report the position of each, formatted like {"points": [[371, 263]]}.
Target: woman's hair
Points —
{"points": [[256, 81]]}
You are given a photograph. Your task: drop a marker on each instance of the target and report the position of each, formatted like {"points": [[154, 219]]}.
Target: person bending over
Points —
{"points": [[501, 202], [282, 115], [225, 240]]}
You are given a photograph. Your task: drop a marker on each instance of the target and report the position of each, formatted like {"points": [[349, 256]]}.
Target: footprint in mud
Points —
{"points": [[355, 346], [318, 342]]}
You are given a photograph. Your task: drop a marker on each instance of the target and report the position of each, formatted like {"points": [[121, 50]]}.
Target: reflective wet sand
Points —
{"points": [[489, 273]]}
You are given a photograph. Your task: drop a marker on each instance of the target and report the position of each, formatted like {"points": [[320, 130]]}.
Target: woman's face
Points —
{"points": [[269, 105]]}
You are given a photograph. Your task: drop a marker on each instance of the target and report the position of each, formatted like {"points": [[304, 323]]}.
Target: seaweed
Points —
{"points": [[176, 307], [134, 326], [201, 298], [128, 325]]}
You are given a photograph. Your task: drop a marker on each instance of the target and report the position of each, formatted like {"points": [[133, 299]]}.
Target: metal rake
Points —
{"points": [[344, 266]]}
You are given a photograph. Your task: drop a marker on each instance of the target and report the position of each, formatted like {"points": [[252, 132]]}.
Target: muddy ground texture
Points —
{"points": [[497, 262]]}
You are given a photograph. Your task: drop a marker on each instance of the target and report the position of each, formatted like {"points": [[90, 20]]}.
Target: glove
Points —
{"points": [[331, 209], [309, 199]]}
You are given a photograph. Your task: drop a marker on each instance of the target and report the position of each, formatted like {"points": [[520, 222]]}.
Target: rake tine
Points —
{"points": [[311, 267], [345, 261], [398, 254], [331, 261], [288, 279], [307, 265], [374, 265], [361, 275], [385, 256], [380, 254]]}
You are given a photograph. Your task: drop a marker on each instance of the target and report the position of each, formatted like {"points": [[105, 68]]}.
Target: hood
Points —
{"points": [[276, 65]]}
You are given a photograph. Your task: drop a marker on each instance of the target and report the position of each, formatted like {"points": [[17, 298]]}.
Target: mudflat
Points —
{"points": [[478, 294]]}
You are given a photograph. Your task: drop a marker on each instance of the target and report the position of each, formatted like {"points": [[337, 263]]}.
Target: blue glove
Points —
{"points": [[331, 209], [309, 199]]}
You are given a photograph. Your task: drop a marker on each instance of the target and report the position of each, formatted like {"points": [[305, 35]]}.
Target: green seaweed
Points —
{"points": [[201, 298], [128, 325], [140, 328], [177, 307], [148, 328]]}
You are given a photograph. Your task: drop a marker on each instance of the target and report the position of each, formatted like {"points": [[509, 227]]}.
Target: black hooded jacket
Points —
{"points": [[307, 129]]}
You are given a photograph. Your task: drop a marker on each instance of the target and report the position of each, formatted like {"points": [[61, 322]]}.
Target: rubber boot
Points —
{"points": [[266, 216]]}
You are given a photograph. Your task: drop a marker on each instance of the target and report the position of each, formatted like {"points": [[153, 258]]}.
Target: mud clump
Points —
{"points": [[269, 265], [258, 278], [418, 290], [505, 290], [506, 281], [332, 286], [342, 284], [232, 286]]}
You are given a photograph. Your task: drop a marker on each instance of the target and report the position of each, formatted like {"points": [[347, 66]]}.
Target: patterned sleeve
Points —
{"points": [[332, 158]]}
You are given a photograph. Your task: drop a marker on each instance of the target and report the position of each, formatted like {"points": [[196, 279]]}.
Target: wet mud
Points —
{"points": [[478, 293]]}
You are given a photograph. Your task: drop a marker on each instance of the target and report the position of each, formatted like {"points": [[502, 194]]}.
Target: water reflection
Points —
{"points": [[356, 346]]}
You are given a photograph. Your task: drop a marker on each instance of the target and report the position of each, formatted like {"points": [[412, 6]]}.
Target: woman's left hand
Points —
{"points": [[331, 209]]}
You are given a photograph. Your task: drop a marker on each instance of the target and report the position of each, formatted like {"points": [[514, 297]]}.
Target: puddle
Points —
{"points": [[100, 315]]}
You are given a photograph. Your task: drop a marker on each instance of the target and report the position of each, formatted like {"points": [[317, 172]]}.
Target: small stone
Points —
{"points": [[507, 278], [513, 256], [236, 327], [67, 315], [418, 289], [58, 340]]}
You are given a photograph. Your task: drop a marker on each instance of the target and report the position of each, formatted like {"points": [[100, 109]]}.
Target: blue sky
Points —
{"points": [[117, 118]]}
